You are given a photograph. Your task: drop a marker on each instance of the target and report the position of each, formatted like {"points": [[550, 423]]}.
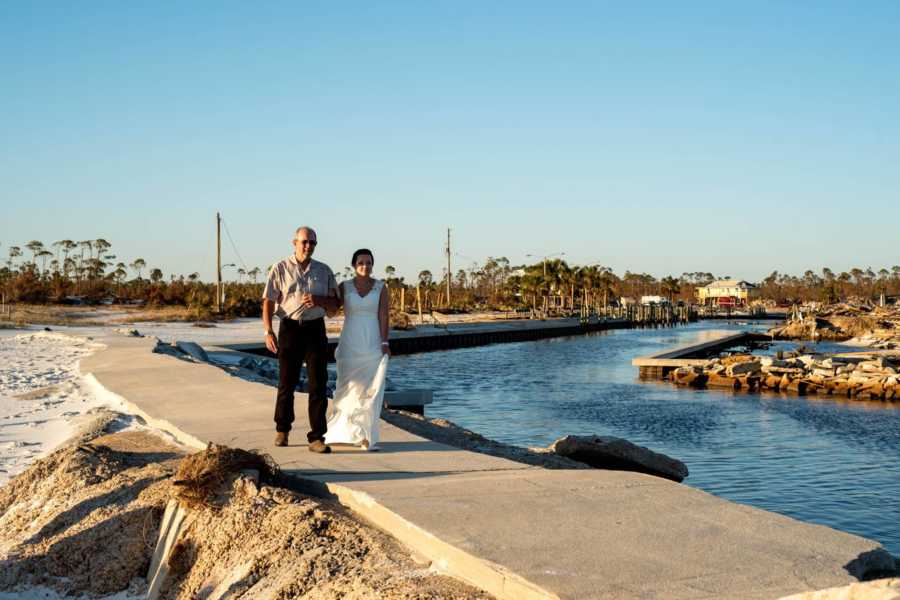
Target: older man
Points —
{"points": [[300, 291]]}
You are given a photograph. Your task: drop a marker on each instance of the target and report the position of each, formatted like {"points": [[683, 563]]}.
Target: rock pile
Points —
{"points": [[869, 325], [401, 321], [873, 377]]}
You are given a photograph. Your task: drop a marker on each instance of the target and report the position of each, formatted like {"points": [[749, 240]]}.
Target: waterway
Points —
{"points": [[828, 461]]}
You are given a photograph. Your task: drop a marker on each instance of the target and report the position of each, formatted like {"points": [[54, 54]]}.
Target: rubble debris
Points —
{"points": [[870, 377]]}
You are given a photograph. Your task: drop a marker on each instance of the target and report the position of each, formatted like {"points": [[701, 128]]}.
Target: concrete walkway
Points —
{"points": [[513, 530]]}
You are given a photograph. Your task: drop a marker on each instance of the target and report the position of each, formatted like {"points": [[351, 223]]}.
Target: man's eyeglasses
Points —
{"points": [[307, 242]]}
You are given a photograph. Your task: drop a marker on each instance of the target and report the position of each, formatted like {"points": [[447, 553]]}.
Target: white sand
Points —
{"points": [[43, 395], [225, 332]]}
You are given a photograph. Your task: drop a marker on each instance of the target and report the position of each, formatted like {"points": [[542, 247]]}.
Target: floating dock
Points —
{"points": [[465, 335]]}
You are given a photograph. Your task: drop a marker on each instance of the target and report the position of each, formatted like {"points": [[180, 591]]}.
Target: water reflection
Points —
{"points": [[830, 461]]}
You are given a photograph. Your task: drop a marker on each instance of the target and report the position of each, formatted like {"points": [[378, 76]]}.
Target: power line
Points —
{"points": [[233, 247]]}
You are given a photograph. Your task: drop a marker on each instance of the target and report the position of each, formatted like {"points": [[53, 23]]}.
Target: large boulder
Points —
{"points": [[605, 452], [743, 368], [688, 376]]}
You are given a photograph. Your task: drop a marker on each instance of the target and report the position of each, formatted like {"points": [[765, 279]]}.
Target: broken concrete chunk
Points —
{"points": [[605, 452], [193, 350]]}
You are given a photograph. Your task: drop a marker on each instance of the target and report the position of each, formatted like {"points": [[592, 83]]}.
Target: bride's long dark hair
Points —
{"points": [[361, 252]]}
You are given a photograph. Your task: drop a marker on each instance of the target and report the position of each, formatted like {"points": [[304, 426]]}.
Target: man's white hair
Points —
{"points": [[307, 228]]}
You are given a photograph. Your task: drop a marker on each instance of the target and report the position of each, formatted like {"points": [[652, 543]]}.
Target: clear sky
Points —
{"points": [[736, 138]]}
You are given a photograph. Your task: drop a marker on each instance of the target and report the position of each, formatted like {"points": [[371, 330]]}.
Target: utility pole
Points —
{"points": [[218, 263], [449, 272]]}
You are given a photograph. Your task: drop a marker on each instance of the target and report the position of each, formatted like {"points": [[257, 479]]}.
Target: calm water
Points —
{"points": [[823, 461]]}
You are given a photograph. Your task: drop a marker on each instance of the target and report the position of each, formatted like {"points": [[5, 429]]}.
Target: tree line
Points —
{"points": [[90, 270]]}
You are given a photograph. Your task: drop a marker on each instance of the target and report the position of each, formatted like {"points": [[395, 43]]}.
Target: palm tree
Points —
{"points": [[58, 246], [68, 266], [572, 278], [44, 255], [254, 273], [156, 275], [86, 244], [14, 252], [67, 246], [36, 247], [138, 266], [670, 287], [607, 285], [389, 272], [590, 279], [556, 273], [101, 246], [532, 283], [241, 272], [120, 274]]}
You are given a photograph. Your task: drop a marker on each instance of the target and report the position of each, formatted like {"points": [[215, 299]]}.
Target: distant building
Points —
{"points": [[646, 300], [727, 292]]}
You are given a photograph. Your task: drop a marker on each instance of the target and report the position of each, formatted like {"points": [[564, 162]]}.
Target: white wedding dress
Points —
{"points": [[361, 371]]}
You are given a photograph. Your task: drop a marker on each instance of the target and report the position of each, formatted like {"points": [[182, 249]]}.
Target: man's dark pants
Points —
{"points": [[300, 341]]}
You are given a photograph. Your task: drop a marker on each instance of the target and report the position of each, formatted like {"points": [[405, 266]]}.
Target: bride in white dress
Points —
{"points": [[362, 358]]}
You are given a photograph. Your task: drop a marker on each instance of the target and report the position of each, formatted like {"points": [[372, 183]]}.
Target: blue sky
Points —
{"points": [[659, 137]]}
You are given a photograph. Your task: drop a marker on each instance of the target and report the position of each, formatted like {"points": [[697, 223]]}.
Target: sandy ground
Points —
{"points": [[85, 519], [44, 401], [44, 593], [43, 396], [238, 330]]}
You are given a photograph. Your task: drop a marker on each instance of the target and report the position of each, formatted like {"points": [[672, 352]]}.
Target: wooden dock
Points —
{"points": [[658, 366], [429, 339]]}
